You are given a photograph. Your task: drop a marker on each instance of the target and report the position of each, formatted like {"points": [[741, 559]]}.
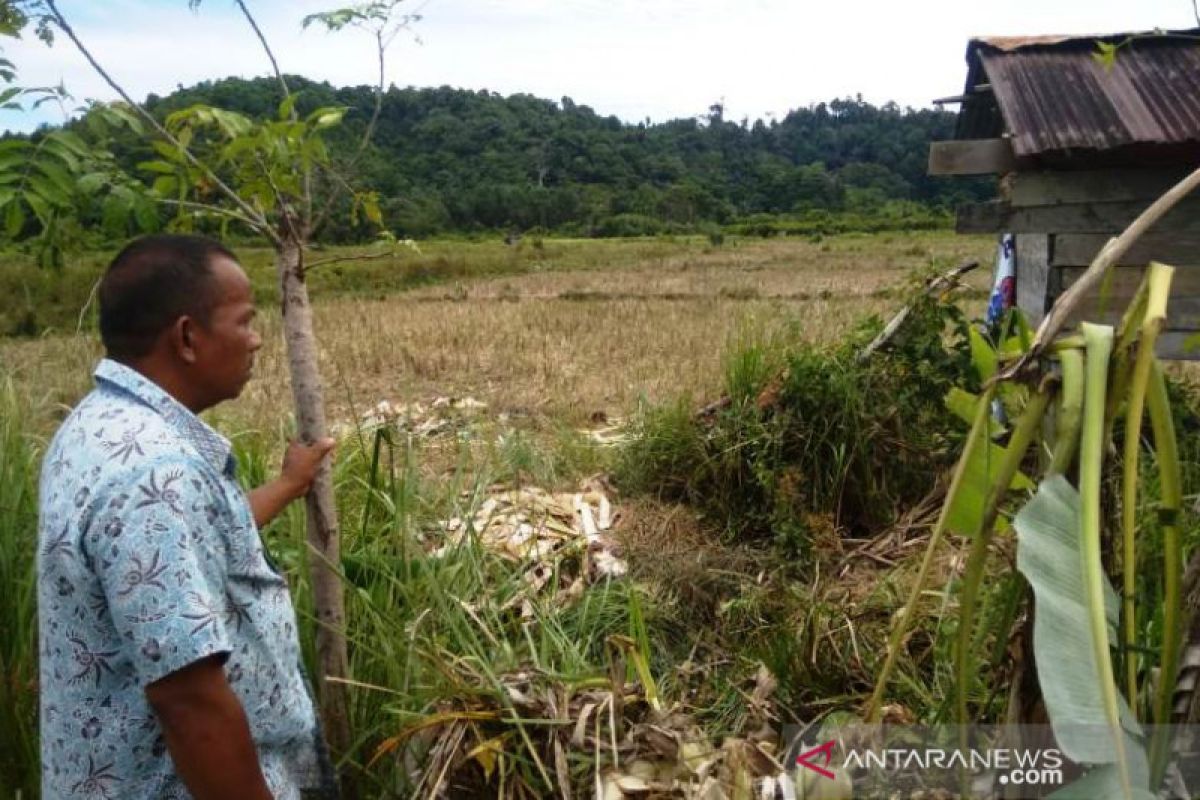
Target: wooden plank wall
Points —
{"points": [[1062, 219]]}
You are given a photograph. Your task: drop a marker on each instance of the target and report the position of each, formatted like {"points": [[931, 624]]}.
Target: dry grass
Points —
{"points": [[560, 346]]}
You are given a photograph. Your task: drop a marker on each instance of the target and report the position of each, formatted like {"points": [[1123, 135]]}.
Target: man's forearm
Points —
{"points": [[207, 735], [268, 500]]}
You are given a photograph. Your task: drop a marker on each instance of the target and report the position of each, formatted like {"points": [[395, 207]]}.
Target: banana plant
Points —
{"points": [[1084, 385]]}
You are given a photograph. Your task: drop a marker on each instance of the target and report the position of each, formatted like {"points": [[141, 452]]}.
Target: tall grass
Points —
{"points": [[19, 461], [445, 634]]}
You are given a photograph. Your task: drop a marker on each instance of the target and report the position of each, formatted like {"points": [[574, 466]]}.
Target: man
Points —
{"points": [[170, 665]]}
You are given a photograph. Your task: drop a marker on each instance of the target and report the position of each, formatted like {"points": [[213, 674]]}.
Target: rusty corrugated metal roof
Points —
{"points": [[1053, 95]]}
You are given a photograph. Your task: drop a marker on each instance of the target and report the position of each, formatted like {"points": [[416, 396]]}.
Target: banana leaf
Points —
{"points": [[1048, 555]]}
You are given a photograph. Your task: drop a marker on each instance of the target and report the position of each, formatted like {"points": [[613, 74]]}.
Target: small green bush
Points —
{"points": [[813, 431], [629, 225]]}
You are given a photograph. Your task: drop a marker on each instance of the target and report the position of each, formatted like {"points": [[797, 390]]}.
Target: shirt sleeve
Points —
{"points": [[160, 563]]}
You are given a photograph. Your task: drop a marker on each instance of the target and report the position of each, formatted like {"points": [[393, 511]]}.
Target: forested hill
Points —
{"points": [[450, 159]]}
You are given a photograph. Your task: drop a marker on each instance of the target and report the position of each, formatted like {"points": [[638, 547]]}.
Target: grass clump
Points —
{"points": [[20, 456], [806, 433]]}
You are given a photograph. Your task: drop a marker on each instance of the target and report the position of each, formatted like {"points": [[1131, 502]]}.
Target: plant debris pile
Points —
{"points": [[611, 739], [556, 537], [439, 417]]}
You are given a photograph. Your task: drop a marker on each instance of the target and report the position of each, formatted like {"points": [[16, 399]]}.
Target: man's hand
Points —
{"points": [[206, 732], [301, 462], [300, 465]]}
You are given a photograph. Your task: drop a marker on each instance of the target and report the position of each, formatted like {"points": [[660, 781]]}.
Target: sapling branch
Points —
{"points": [[383, 39], [267, 47], [206, 208], [340, 259], [260, 223], [286, 94]]}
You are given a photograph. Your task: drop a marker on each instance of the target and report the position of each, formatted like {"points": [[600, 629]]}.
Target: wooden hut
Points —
{"points": [[1083, 142]]}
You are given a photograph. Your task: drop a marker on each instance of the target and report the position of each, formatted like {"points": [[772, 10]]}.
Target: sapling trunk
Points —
{"points": [[1023, 434], [323, 534]]}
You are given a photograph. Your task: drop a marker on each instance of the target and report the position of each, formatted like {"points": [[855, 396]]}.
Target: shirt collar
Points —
{"points": [[212, 446]]}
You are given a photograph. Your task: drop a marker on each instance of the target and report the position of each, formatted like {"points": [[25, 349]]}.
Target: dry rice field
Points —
{"points": [[562, 344]]}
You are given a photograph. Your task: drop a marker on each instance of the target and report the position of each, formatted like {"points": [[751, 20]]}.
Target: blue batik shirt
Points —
{"points": [[148, 560]]}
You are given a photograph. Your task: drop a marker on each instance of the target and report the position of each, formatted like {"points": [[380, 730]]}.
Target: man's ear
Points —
{"points": [[183, 335]]}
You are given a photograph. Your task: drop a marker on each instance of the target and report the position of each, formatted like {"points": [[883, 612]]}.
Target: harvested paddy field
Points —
{"points": [[549, 332]]}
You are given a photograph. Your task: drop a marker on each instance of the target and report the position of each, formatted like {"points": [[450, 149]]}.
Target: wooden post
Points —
{"points": [[1033, 275]]}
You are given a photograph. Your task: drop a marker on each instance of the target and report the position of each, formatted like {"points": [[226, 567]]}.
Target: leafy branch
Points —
{"points": [[260, 222]]}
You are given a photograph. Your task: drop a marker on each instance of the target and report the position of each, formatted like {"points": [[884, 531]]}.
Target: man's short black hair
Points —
{"points": [[151, 283]]}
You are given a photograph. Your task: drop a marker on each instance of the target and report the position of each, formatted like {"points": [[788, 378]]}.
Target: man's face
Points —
{"points": [[225, 347]]}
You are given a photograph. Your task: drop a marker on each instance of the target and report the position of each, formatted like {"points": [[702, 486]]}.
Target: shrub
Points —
{"points": [[628, 225], [813, 431]]}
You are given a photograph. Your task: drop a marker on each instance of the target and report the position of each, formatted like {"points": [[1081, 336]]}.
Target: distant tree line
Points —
{"points": [[449, 160]]}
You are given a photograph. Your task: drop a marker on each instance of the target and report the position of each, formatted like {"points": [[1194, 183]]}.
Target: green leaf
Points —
{"points": [[287, 107], [92, 182], [326, 117], [166, 186], [115, 214], [159, 167], [962, 404], [231, 123], [41, 209], [240, 145], [14, 219], [53, 147], [983, 355], [980, 472], [72, 142], [1106, 54], [13, 161], [146, 216], [45, 191], [128, 118], [332, 20], [167, 150], [1049, 556], [60, 177]]}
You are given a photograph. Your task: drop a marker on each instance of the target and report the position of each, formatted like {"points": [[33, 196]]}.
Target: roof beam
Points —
{"points": [[971, 157]]}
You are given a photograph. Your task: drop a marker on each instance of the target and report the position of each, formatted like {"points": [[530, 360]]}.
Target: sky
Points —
{"points": [[637, 59]]}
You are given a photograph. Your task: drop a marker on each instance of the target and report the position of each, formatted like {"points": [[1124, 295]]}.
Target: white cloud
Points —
{"points": [[634, 58]]}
